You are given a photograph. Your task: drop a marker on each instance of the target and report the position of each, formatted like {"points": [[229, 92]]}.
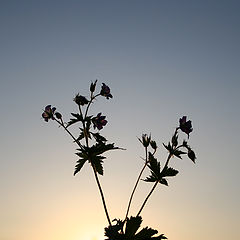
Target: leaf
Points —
{"points": [[164, 181], [133, 224], [98, 164], [99, 138], [168, 147], [80, 137], [178, 153], [77, 118], [169, 172], [79, 165], [191, 155], [154, 166], [145, 233], [151, 178]]}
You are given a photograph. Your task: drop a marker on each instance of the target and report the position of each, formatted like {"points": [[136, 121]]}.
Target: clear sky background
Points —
{"points": [[162, 59]]}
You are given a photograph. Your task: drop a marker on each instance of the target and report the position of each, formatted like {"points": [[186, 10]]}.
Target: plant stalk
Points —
{"points": [[134, 189]]}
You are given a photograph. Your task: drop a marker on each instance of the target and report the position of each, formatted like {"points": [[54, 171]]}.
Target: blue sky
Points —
{"points": [[162, 60]]}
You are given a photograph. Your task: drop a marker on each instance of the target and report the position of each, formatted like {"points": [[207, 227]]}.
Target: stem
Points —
{"points": [[93, 167], [145, 201], [134, 189], [92, 98], [102, 195], [75, 140]]}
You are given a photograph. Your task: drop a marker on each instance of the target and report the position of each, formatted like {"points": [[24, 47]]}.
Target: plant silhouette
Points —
{"points": [[92, 146]]}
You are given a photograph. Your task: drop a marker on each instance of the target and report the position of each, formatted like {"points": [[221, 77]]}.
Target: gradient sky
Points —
{"points": [[162, 59]]}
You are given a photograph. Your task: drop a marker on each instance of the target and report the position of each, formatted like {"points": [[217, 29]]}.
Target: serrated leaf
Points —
{"points": [[164, 181], [80, 137], [145, 233], [169, 172], [77, 118], [99, 138], [98, 164], [79, 165], [151, 178], [154, 166]]}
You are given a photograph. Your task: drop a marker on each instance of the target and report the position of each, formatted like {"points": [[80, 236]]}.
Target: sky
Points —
{"points": [[162, 60]]}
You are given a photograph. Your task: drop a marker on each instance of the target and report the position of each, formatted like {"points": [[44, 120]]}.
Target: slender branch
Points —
{"points": [[134, 189], [75, 140], [102, 195], [92, 98], [145, 201]]}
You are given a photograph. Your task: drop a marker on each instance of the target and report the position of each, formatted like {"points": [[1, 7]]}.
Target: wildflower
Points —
{"points": [[106, 91], [99, 121], [185, 126], [48, 113], [80, 100]]}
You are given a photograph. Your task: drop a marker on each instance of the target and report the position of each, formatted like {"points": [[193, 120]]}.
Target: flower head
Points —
{"points": [[105, 91], [80, 100], [185, 126], [48, 113], [99, 121]]}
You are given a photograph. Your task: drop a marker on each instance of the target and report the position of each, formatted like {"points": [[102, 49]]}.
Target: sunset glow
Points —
{"points": [[162, 60]]}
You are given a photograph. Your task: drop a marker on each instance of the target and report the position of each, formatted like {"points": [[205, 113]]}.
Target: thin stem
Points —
{"points": [[93, 167], [75, 140], [134, 189], [145, 201], [92, 98], [102, 195]]}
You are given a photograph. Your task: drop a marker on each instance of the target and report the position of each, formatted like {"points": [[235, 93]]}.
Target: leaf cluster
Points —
{"points": [[93, 155], [131, 231], [156, 174]]}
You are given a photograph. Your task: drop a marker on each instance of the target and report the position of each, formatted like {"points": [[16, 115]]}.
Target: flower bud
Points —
{"points": [[153, 145], [145, 140], [80, 100], [58, 115], [93, 86]]}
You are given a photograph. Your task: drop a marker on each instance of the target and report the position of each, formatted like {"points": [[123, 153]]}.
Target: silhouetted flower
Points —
{"points": [[99, 121], [80, 100], [185, 126], [106, 91], [48, 113]]}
